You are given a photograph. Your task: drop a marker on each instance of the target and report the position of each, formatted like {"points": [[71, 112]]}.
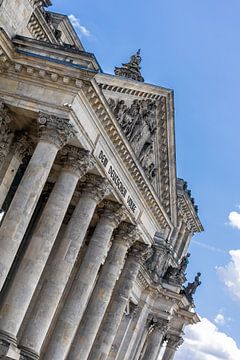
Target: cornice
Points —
{"points": [[186, 208], [16, 58]]}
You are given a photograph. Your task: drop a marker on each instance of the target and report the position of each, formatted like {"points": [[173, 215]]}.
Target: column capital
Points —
{"points": [[6, 134], [76, 160], [22, 145], [96, 187], [55, 130], [174, 341], [127, 232], [5, 117], [113, 212], [140, 251], [160, 324]]}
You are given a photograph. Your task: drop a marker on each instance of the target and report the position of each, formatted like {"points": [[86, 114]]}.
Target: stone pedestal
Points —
{"points": [[173, 343], [154, 340], [54, 133], [32, 265], [119, 300], [53, 287], [73, 309], [102, 292]]}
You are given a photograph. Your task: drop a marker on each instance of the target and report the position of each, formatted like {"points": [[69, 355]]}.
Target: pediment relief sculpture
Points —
{"points": [[139, 124]]}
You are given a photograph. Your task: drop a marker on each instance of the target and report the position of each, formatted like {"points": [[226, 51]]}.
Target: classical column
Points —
{"points": [[101, 295], [76, 162], [154, 339], [21, 147], [137, 352], [114, 313], [6, 134], [135, 332], [120, 335], [93, 191], [75, 304], [173, 343], [54, 134]]}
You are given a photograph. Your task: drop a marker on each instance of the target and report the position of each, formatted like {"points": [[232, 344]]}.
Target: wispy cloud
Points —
{"points": [[230, 274], [234, 219], [77, 25], [208, 247]]}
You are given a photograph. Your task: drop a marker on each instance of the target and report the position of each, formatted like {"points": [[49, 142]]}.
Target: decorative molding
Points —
{"points": [[187, 210], [13, 60]]}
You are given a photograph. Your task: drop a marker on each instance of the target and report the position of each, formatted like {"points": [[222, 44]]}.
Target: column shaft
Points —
{"points": [[22, 288], [116, 308], [173, 343], [120, 337], [169, 354], [154, 340], [73, 309], [135, 333], [24, 202], [9, 174], [101, 295], [62, 265]]}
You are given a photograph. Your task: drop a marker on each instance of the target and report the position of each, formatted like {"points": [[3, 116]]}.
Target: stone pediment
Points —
{"points": [[145, 116]]}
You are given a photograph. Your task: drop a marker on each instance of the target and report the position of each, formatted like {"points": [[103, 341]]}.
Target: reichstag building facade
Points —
{"points": [[95, 225]]}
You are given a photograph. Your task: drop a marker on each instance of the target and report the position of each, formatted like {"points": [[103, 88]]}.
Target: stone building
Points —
{"points": [[95, 224]]}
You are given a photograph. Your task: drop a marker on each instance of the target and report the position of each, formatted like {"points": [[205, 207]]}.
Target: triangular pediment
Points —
{"points": [[145, 115]]}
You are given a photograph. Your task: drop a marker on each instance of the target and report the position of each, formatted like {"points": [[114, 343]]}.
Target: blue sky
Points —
{"points": [[193, 47]]}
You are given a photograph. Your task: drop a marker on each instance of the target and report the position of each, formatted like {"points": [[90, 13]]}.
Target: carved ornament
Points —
{"points": [[96, 187], [80, 161], [55, 130]]}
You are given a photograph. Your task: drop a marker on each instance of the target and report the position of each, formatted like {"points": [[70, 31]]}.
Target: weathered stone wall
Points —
{"points": [[14, 16]]}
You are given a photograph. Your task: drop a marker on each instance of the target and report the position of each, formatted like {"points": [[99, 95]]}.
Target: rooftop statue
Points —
{"points": [[177, 275], [131, 70], [191, 288]]}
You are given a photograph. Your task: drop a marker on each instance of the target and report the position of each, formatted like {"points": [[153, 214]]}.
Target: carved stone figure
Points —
{"points": [[177, 275], [183, 264], [191, 288], [138, 122], [156, 263], [132, 69]]}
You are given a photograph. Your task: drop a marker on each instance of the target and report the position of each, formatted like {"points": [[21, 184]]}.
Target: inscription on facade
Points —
{"points": [[116, 180]]}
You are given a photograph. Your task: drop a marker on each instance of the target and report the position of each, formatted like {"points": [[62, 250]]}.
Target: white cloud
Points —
{"points": [[76, 23], [230, 274], [204, 341], [219, 319], [234, 219]]}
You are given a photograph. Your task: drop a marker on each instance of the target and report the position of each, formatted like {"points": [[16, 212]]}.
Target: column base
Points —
{"points": [[8, 347], [28, 354]]}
